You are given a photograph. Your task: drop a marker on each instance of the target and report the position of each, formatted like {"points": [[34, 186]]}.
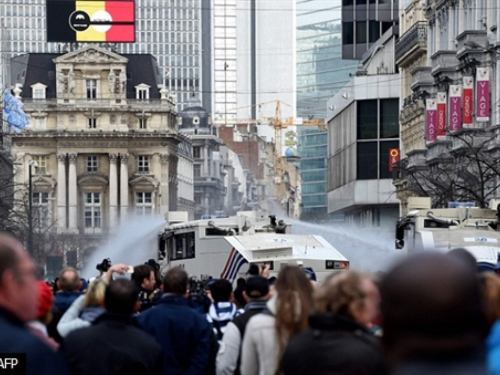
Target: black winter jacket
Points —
{"points": [[333, 345], [112, 345]]}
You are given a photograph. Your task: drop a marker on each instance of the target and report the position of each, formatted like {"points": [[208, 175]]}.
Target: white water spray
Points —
{"points": [[134, 242], [368, 249]]}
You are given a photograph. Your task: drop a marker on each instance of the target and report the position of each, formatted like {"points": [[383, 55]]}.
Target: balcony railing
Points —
{"points": [[416, 35]]}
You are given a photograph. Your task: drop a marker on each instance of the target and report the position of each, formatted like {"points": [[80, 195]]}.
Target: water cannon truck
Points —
{"points": [[461, 225]]}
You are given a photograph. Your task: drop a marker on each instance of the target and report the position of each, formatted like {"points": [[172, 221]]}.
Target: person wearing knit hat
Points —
{"points": [[44, 315]]}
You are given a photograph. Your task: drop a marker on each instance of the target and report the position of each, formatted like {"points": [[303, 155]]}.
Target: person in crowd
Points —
{"points": [[338, 340], [267, 333], [85, 310], [432, 317], [464, 256], [222, 310], [114, 345], [490, 292], [18, 306], [256, 294], [238, 298], [68, 290], [38, 327], [144, 278], [183, 333]]}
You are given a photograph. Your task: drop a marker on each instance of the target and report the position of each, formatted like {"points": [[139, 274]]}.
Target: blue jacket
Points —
{"points": [[15, 338], [493, 349], [183, 333], [63, 300]]}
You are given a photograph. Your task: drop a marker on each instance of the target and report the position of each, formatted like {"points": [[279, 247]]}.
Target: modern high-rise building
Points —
{"points": [[171, 31], [321, 73], [364, 22]]}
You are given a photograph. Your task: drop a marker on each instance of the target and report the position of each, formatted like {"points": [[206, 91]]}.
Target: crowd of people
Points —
{"points": [[430, 314]]}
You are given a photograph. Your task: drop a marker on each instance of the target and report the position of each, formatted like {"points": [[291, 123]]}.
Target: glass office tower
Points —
{"points": [[169, 30], [320, 74]]}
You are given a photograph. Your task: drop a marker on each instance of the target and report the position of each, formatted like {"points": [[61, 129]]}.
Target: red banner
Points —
{"points": [[441, 115], [482, 95], [455, 108], [468, 101], [393, 158]]}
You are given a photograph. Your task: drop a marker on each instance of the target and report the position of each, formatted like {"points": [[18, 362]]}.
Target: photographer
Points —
{"points": [[106, 269], [144, 278], [197, 296]]}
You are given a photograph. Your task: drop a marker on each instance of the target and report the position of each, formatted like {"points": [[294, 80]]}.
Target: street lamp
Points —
{"points": [[31, 164]]}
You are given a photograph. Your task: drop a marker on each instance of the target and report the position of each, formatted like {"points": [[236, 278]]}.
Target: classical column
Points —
{"points": [[73, 194], [172, 171], [164, 190], [61, 191], [205, 162], [113, 190], [123, 186]]}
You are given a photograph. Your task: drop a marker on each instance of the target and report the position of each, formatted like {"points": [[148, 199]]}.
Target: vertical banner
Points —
{"points": [[393, 158], [455, 108], [430, 120], [482, 95], [468, 101], [441, 115]]}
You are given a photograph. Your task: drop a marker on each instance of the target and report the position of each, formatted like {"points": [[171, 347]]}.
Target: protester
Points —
{"points": [[18, 305], [113, 345], [256, 294], [144, 278], [68, 290], [85, 310], [183, 333], [338, 341], [432, 317], [38, 327], [222, 310], [267, 334]]}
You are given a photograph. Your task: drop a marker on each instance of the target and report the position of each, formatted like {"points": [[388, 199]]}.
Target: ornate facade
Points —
{"points": [[102, 141]]}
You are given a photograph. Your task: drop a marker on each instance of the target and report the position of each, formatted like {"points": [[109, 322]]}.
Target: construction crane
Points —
{"points": [[278, 123]]}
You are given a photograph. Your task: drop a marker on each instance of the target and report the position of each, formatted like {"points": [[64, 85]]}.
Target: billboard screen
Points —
{"points": [[111, 21]]}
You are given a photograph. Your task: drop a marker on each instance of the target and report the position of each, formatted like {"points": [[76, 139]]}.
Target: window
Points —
{"points": [[92, 123], [39, 93], [143, 123], [181, 246], [197, 199], [41, 211], [347, 33], [196, 170], [143, 164], [92, 210], [42, 165], [367, 161], [91, 88], [40, 123], [367, 117], [389, 118], [142, 94], [143, 203], [92, 164], [361, 32], [384, 158], [196, 152]]}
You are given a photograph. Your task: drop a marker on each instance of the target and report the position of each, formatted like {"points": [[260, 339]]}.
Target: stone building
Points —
{"points": [[102, 141]]}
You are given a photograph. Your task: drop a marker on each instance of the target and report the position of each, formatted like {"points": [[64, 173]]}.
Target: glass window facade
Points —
{"points": [[378, 131], [320, 74]]}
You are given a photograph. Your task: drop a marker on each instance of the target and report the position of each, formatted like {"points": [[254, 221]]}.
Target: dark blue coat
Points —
{"points": [[183, 333], [15, 338]]}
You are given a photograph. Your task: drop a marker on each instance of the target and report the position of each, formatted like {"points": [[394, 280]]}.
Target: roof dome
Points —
{"points": [[291, 152]]}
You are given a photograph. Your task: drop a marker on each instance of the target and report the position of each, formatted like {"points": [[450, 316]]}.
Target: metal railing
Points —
{"points": [[417, 34]]}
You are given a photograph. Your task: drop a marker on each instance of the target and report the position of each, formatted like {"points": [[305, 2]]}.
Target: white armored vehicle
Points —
{"points": [[223, 247], [474, 229]]}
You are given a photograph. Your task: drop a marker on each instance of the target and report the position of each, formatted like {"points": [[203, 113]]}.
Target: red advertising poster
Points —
{"points": [[393, 158], [431, 120], [441, 115], [455, 108], [482, 95], [468, 101]]}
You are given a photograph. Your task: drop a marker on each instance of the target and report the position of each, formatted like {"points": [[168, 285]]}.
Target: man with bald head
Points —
{"points": [[432, 319], [18, 305]]}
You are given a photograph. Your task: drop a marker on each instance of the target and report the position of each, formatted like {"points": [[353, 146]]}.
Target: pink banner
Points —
{"points": [[455, 108], [482, 95], [431, 120], [441, 115], [468, 101]]}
